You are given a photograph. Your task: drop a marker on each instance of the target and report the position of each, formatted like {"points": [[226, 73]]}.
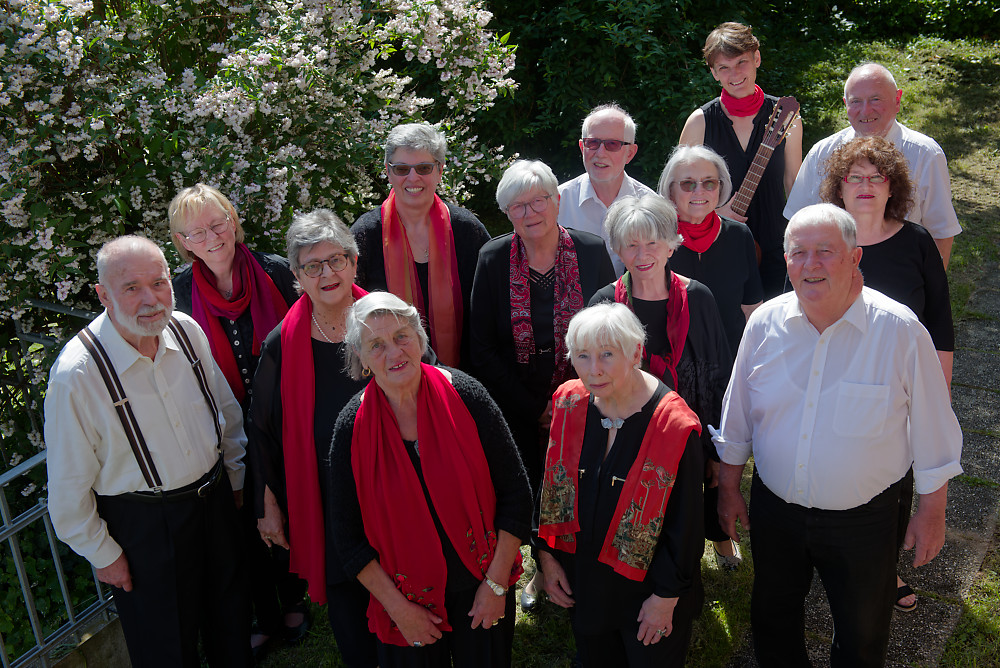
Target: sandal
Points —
{"points": [[727, 563], [902, 592]]}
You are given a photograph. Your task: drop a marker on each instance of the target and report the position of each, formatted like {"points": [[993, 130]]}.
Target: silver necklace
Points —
{"points": [[315, 322]]}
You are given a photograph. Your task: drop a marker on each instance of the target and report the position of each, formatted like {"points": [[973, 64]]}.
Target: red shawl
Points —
{"points": [[743, 106], [568, 300], [253, 289], [635, 530], [699, 237], [678, 322], [306, 538], [398, 522], [444, 314]]}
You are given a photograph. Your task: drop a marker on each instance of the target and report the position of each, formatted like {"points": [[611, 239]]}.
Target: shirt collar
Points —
{"points": [[587, 191], [120, 351], [856, 314], [894, 135]]}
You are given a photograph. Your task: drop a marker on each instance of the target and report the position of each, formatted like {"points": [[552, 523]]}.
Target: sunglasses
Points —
{"points": [[690, 185], [611, 145], [874, 179], [403, 169]]}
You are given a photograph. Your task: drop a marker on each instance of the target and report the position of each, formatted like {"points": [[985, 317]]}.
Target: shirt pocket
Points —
{"points": [[861, 409]]}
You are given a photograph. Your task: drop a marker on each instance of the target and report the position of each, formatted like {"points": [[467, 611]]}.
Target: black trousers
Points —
{"points": [[347, 607], [854, 552], [463, 646], [188, 576], [620, 647], [273, 590]]}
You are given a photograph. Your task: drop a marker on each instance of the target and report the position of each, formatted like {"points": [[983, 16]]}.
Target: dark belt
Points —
{"points": [[199, 489]]}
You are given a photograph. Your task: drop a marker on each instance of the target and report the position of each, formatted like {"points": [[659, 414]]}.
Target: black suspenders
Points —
{"points": [[124, 408]]}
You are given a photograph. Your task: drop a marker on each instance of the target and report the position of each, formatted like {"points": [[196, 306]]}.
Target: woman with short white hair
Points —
{"points": [[620, 526]]}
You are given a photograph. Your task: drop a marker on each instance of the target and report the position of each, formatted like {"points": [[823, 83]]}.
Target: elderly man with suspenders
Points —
{"points": [[145, 449]]}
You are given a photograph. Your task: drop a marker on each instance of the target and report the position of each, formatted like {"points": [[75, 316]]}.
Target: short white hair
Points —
{"points": [[650, 217], [521, 177], [370, 306], [684, 155], [611, 108], [874, 68], [605, 325], [815, 215], [114, 249]]}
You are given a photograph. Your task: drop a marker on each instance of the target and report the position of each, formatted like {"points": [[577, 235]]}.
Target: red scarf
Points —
{"points": [[568, 300], [252, 288], [743, 106], [678, 322], [699, 237], [306, 538], [635, 530], [444, 314], [398, 522]]}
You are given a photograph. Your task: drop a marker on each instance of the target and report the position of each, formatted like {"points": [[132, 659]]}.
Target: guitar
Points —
{"points": [[786, 111]]}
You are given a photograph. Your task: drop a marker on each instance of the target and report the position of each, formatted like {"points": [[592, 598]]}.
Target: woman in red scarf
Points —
{"points": [[620, 512], [429, 502], [418, 247], [299, 390], [716, 251], [686, 343], [237, 296], [528, 286], [734, 125]]}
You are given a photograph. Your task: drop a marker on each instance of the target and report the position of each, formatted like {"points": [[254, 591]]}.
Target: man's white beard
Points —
{"points": [[132, 325]]}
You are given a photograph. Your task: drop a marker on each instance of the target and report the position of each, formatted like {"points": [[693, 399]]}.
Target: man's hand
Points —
{"points": [[732, 507], [926, 529], [117, 574]]}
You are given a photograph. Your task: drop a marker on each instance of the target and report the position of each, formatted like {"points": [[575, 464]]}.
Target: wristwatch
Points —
{"points": [[499, 590]]}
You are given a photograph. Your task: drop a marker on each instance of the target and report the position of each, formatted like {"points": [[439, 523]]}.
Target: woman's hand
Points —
{"points": [[556, 584], [416, 623], [488, 608], [545, 419], [726, 211], [272, 525], [656, 615]]}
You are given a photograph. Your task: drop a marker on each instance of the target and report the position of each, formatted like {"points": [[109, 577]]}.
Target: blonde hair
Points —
{"points": [[189, 203]]}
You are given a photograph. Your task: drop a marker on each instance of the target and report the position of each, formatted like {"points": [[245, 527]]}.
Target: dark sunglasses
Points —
{"points": [[403, 169], [690, 185], [611, 145]]}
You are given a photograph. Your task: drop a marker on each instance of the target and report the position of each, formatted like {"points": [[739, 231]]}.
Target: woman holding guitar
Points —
{"points": [[735, 125]]}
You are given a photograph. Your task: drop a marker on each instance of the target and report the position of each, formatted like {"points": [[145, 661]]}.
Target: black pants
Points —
{"points": [[273, 590], [188, 576], [347, 606], [463, 646], [621, 648], [854, 552]]}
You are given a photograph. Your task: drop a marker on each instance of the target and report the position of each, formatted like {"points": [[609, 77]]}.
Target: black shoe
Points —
{"points": [[296, 634]]}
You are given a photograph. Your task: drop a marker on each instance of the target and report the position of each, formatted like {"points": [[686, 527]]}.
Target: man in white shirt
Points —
{"points": [[607, 144], [872, 101], [836, 392], [152, 507]]}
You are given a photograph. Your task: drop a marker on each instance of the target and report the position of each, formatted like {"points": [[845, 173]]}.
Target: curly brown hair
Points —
{"points": [[887, 159]]}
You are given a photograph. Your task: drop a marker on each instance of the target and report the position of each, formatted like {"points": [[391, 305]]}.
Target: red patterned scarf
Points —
{"points": [[743, 106], [306, 537], [699, 237], [631, 539], [678, 322], [568, 300], [398, 522], [444, 313], [253, 289]]}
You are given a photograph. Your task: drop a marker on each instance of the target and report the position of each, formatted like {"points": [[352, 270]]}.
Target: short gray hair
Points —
{"points": [[521, 177], [603, 109], [115, 248], [874, 68], [649, 217], [684, 155], [416, 137], [372, 305], [604, 325], [309, 229], [824, 214]]}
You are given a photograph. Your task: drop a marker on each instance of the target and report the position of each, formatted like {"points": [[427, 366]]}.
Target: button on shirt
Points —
{"points": [[833, 419], [581, 208], [87, 447]]}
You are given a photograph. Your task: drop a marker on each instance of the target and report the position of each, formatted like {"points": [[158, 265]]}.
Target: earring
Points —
{"points": [[366, 372]]}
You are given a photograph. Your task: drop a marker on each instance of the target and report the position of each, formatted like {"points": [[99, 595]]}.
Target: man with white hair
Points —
{"points": [[872, 99], [145, 447], [607, 144], [836, 392]]}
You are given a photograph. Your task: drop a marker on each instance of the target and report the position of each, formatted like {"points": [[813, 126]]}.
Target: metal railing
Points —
{"points": [[13, 527]]}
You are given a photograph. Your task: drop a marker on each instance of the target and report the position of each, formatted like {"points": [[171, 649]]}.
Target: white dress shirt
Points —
{"points": [[932, 205], [833, 419], [581, 208], [88, 451]]}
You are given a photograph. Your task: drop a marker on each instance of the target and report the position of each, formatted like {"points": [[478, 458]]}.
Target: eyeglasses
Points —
{"points": [[690, 185], [403, 169], [520, 210], [612, 145], [874, 179], [313, 269], [198, 236]]}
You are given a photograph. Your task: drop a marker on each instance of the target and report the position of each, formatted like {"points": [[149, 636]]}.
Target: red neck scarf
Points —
{"points": [[743, 106], [252, 288], [306, 538], [635, 530], [568, 300], [444, 313], [678, 322], [398, 522], [700, 237]]}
